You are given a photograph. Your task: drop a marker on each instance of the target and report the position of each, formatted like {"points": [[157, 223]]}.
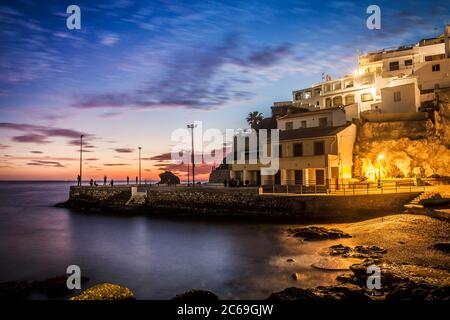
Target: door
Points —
{"points": [[278, 177], [320, 177], [298, 176]]}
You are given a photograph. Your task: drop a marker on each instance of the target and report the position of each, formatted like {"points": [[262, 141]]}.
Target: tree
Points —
{"points": [[254, 119]]}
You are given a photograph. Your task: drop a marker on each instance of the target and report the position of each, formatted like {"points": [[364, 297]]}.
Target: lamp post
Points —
{"points": [[380, 157], [140, 165], [192, 126], [81, 159]]}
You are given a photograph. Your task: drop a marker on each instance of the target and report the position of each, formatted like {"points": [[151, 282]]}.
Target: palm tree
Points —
{"points": [[254, 119]]}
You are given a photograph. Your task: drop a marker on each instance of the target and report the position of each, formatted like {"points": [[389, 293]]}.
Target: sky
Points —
{"points": [[138, 70]]}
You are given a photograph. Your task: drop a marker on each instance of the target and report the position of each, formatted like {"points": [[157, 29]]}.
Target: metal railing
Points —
{"points": [[353, 188]]}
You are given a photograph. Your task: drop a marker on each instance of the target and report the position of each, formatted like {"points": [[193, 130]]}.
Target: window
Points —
{"points": [[303, 124], [436, 67], [319, 148], [337, 86], [348, 83], [289, 125], [306, 94], [280, 150], [366, 97], [394, 66], [323, 122], [349, 99], [317, 92], [298, 96], [337, 101], [328, 102], [408, 63], [298, 149], [298, 176], [320, 177], [397, 96], [367, 79], [326, 87]]}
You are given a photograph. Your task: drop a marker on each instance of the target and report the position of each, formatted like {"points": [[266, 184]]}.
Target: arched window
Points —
{"points": [[328, 102], [337, 101], [349, 99]]}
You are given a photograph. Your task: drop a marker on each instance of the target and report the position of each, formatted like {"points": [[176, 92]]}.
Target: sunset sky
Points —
{"points": [[138, 70]]}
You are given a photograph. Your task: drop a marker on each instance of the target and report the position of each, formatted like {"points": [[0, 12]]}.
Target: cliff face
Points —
{"points": [[410, 148]]}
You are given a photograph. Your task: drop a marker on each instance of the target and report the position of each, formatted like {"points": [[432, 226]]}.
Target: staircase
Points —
{"points": [[414, 203]]}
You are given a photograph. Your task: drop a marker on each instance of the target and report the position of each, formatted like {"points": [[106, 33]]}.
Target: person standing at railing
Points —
{"points": [[79, 180], [128, 180]]}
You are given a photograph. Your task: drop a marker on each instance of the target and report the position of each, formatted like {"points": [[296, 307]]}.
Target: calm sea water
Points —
{"points": [[156, 258]]}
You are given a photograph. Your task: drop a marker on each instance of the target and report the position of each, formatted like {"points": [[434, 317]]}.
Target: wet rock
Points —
{"points": [[196, 295], [53, 287], [105, 291], [295, 276], [294, 293], [318, 233], [443, 247], [339, 249]]}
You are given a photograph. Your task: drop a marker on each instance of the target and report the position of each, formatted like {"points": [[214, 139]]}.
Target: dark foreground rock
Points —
{"points": [[105, 291], [398, 282], [318, 233], [444, 247], [196, 296], [362, 252], [53, 287]]}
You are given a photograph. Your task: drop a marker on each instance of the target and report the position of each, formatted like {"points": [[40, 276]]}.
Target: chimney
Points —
{"points": [[447, 39]]}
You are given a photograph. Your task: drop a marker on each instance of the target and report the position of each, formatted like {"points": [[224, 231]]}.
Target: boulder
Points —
{"points": [[105, 291], [318, 233], [294, 293], [196, 295], [168, 177]]}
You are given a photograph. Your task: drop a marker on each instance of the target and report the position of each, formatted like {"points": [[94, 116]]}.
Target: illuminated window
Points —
{"points": [[366, 97], [397, 96]]}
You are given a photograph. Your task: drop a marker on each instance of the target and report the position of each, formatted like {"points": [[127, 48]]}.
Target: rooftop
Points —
{"points": [[309, 113], [311, 132]]}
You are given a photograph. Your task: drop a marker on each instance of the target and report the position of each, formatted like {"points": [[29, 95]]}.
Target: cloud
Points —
{"points": [[31, 138], [4, 146], [115, 164], [124, 150], [109, 39], [36, 152], [43, 163]]}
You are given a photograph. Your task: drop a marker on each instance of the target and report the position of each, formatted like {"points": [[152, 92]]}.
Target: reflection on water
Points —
{"points": [[156, 258]]}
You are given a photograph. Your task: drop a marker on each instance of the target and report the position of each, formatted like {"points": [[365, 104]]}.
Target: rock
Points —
{"points": [[295, 276], [318, 233], [294, 293], [105, 291], [443, 247], [290, 260], [196, 295], [339, 249], [168, 177]]}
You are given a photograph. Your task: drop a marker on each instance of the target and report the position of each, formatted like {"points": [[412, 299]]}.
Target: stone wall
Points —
{"points": [[237, 202]]}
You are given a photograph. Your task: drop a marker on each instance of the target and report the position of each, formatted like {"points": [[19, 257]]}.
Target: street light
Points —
{"points": [[380, 157], [81, 159], [192, 126], [140, 165]]}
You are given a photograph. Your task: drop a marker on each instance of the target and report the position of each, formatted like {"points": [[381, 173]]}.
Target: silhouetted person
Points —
{"points": [[225, 183], [136, 180], [104, 180], [95, 183], [91, 182], [79, 180], [128, 180], [111, 183]]}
